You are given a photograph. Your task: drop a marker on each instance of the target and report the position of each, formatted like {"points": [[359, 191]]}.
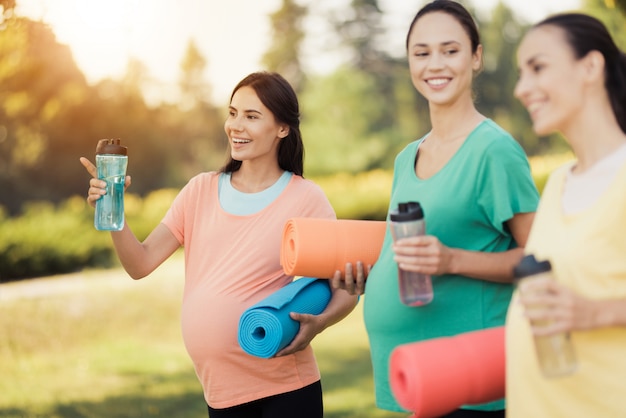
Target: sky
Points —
{"points": [[232, 35]]}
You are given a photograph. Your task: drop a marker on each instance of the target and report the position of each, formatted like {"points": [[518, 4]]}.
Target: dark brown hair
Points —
{"points": [[584, 34], [279, 97], [457, 11]]}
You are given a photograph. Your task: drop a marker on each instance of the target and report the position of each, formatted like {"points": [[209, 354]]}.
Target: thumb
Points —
{"points": [[296, 316]]}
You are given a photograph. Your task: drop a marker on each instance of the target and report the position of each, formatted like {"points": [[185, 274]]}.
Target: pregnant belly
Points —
{"points": [[209, 326]]}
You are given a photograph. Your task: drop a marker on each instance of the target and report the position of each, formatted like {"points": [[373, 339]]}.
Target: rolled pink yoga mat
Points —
{"points": [[435, 377], [318, 247]]}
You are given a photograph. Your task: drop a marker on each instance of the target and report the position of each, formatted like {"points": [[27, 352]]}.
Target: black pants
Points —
{"points": [[301, 403], [470, 413]]}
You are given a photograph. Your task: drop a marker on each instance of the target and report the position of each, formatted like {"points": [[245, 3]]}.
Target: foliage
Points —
{"points": [[362, 196], [50, 116], [283, 55], [47, 240], [338, 125]]}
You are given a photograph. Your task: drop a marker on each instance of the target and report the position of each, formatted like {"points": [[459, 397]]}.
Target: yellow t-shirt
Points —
{"points": [[587, 251], [231, 263]]}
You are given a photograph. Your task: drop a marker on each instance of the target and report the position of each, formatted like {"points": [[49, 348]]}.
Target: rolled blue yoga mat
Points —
{"points": [[266, 328]]}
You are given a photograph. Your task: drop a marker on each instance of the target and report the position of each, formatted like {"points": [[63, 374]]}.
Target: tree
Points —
{"points": [[7, 6], [38, 79], [283, 56], [200, 135], [193, 86]]}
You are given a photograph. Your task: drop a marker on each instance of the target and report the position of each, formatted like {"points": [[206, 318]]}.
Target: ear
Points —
{"points": [[477, 59], [283, 131], [593, 66]]}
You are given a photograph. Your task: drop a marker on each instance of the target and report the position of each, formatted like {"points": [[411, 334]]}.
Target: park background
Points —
{"points": [[78, 338]]}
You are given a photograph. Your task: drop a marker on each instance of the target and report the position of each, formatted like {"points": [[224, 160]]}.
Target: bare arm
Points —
{"points": [[138, 258], [141, 258], [426, 254]]}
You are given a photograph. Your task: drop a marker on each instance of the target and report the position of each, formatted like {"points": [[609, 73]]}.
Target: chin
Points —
{"points": [[543, 129]]}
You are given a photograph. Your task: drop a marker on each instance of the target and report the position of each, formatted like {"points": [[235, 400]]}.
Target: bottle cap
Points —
{"points": [[529, 266], [110, 146], [406, 212]]}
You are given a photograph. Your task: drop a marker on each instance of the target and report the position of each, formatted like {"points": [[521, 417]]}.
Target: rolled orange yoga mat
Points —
{"points": [[437, 376], [318, 247]]}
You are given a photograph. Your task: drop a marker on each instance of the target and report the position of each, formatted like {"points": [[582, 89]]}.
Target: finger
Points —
{"points": [[360, 278], [336, 282], [295, 346], [91, 169], [348, 279], [297, 316]]}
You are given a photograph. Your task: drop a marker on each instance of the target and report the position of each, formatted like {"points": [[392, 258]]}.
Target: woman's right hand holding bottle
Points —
{"points": [[97, 187]]}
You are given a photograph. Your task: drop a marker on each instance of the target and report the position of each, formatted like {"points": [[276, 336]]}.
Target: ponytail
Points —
{"points": [[616, 88]]}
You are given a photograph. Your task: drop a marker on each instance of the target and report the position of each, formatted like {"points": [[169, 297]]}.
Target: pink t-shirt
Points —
{"points": [[232, 262]]}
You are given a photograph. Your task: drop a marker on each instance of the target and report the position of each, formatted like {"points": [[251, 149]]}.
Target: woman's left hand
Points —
{"points": [[423, 254], [310, 326], [553, 308]]}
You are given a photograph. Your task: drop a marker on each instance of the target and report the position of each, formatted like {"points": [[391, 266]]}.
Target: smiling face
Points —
{"points": [[441, 60], [253, 132], [551, 82]]}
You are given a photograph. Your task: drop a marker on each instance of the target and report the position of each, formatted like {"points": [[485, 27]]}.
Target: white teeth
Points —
{"points": [[437, 81], [241, 141], [533, 106]]}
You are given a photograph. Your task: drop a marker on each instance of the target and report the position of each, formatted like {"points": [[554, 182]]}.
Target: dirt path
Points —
{"points": [[79, 282]]}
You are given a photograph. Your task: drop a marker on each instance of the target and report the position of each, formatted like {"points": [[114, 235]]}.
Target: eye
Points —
{"points": [[252, 117], [231, 113], [420, 54], [451, 51], [537, 68]]}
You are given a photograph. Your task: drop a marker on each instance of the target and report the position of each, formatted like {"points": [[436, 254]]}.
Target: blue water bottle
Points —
{"points": [[111, 163]]}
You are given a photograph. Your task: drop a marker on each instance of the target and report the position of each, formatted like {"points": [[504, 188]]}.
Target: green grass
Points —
{"points": [[98, 344]]}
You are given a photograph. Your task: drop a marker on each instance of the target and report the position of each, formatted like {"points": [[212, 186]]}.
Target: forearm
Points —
{"points": [[340, 306], [141, 258], [492, 267]]}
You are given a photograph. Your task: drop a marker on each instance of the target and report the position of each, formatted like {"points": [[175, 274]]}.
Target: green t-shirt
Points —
{"points": [[466, 205]]}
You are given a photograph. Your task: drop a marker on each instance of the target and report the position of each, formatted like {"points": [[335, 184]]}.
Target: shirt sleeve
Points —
{"points": [[182, 207], [507, 186]]}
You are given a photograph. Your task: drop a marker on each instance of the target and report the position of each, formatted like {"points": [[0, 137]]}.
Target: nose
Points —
{"points": [[521, 87], [233, 123], [435, 61]]}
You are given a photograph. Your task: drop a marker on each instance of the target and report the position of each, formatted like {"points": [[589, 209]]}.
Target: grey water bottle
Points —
{"points": [[407, 220], [555, 353], [111, 164]]}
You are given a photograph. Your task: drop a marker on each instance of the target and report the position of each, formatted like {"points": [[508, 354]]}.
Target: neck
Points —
{"points": [[250, 179], [593, 134], [451, 122]]}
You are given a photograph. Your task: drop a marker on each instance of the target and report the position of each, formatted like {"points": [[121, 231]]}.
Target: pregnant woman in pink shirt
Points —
{"points": [[230, 224]]}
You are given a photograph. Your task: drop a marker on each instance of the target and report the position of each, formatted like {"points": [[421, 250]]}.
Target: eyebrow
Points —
{"points": [[531, 60], [446, 43], [246, 110]]}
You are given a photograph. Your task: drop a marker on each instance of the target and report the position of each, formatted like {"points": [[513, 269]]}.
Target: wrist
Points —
{"points": [[609, 313], [454, 261]]}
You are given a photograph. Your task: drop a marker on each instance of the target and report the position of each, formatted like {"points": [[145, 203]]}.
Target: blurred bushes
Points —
{"points": [[48, 239]]}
